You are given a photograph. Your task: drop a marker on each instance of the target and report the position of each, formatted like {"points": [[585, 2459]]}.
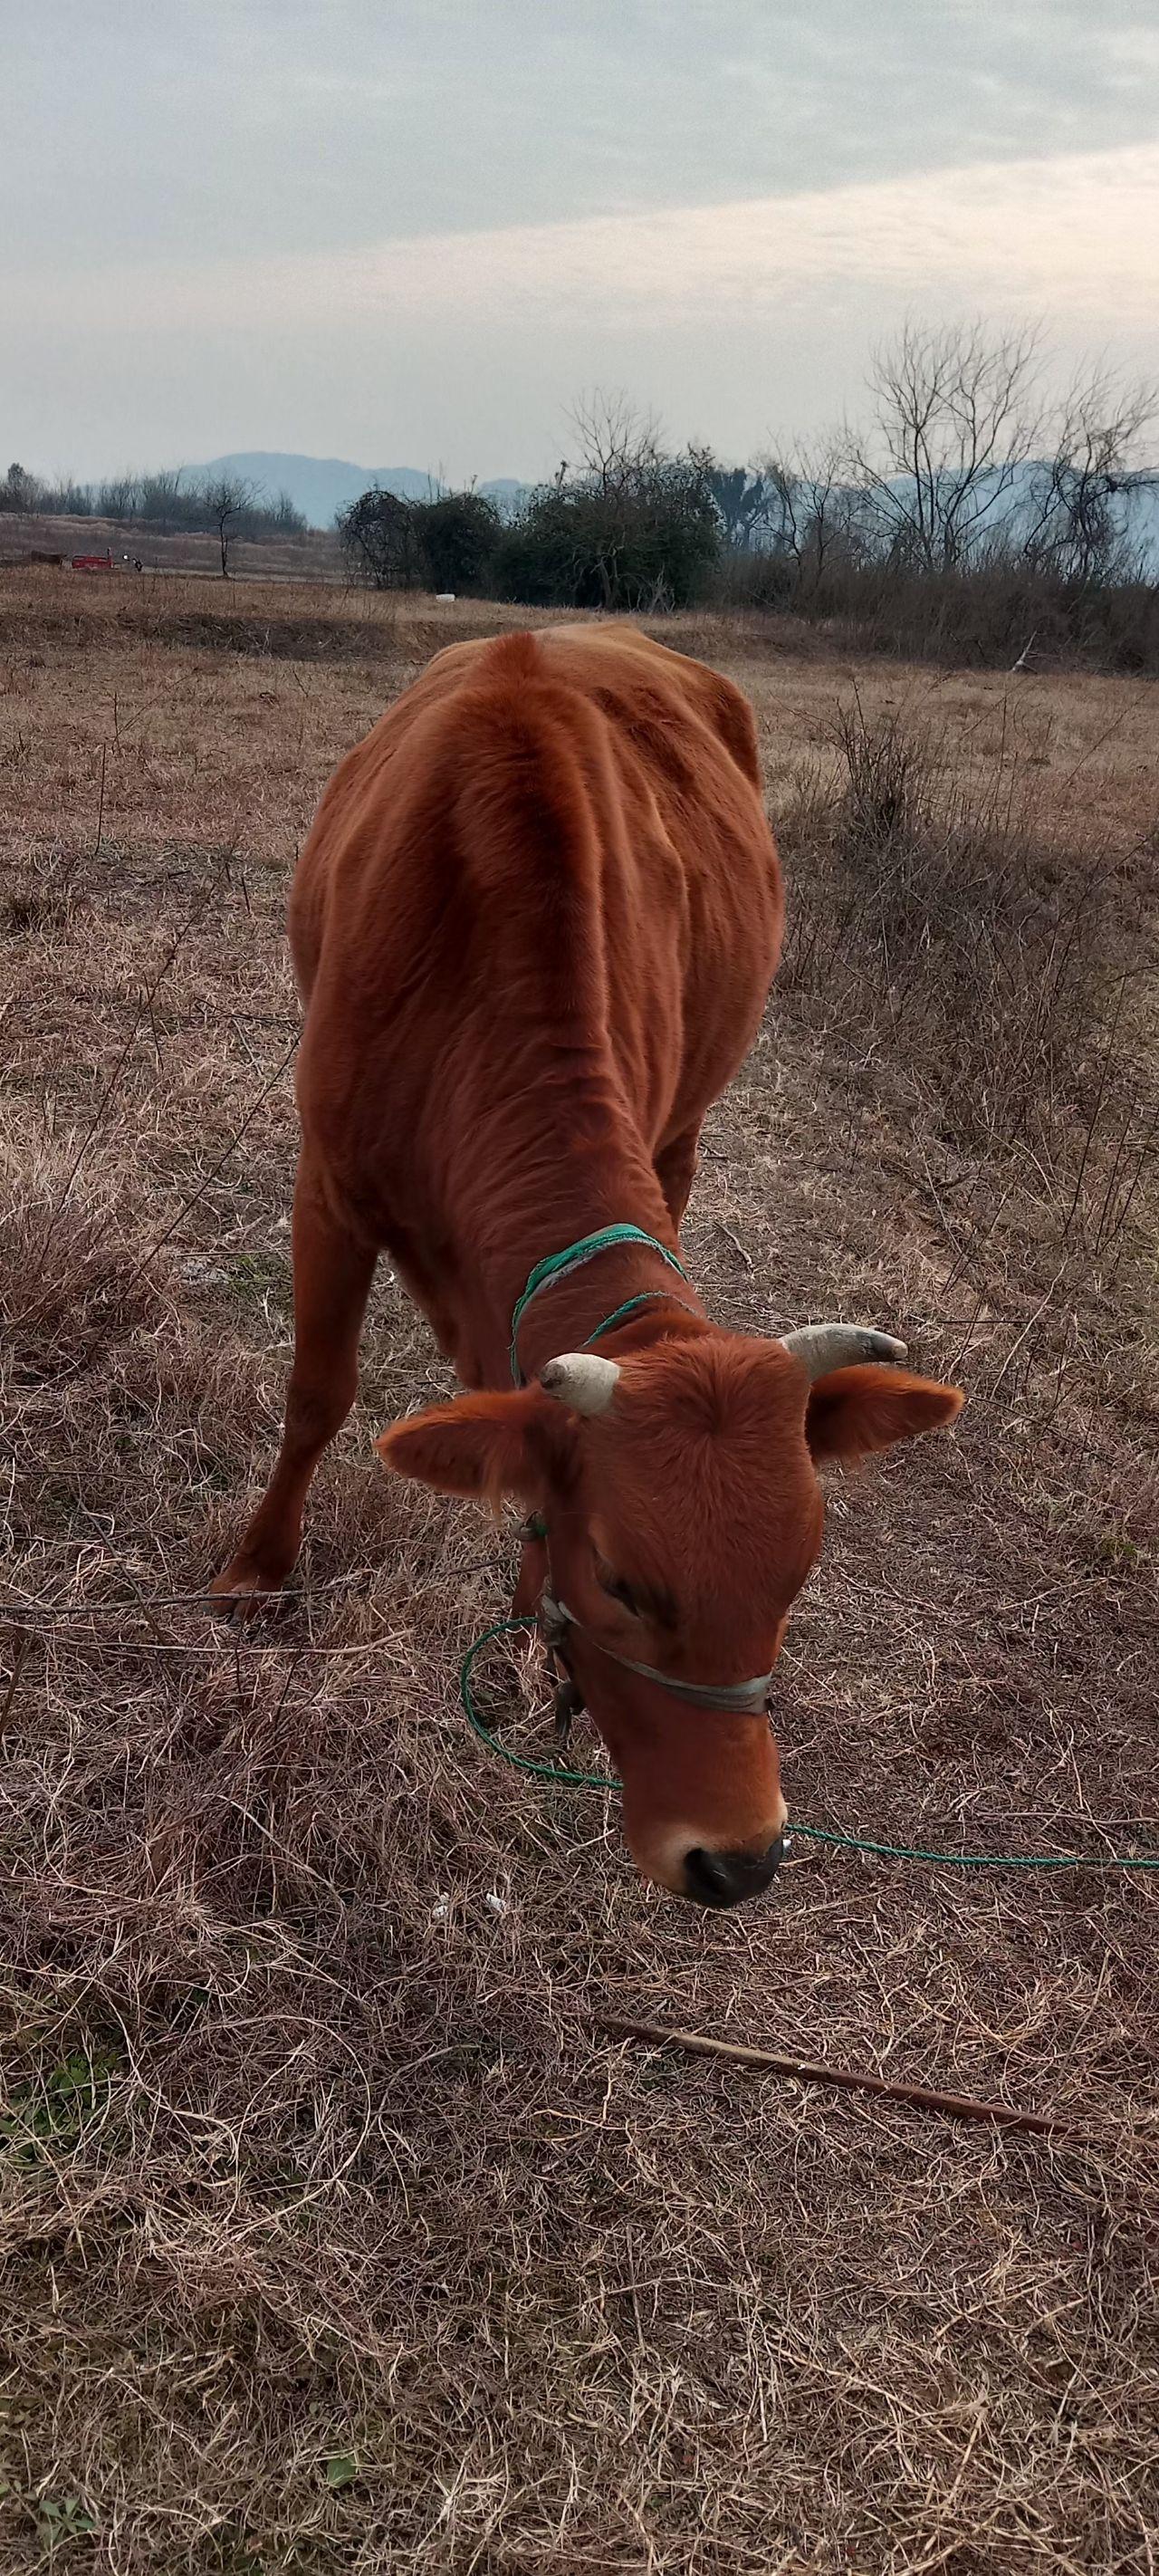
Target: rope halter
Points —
{"points": [[741, 1699]]}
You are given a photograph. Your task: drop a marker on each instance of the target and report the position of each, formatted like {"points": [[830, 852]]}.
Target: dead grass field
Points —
{"points": [[334, 2237], [312, 556]]}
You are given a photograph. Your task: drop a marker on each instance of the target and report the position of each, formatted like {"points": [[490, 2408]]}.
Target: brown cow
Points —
{"points": [[535, 924]]}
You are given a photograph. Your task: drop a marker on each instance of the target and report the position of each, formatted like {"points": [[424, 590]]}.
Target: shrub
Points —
{"points": [[379, 539], [990, 616], [931, 901], [457, 538], [647, 543], [447, 543]]}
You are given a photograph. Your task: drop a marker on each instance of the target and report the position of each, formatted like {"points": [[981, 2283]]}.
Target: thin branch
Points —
{"points": [[957, 2106]]}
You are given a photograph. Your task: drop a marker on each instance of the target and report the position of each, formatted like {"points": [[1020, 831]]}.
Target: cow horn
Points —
{"points": [[582, 1380], [822, 1347]]}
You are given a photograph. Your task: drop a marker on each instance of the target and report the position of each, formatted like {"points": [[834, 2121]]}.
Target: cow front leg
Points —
{"points": [[675, 1166], [332, 1277]]}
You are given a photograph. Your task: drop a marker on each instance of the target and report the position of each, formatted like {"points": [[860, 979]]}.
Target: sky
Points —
{"points": [[411, 232]]}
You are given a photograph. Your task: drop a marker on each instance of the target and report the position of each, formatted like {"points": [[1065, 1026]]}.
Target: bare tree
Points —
{"points": [[165, 499], [813, 508], [1073, 526], [958, 416], [286, 514], [227, 497], [119, 497], [618, 442]]}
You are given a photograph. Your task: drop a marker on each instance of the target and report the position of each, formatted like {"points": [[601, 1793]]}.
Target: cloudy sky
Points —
{"points": [[410, 231]]}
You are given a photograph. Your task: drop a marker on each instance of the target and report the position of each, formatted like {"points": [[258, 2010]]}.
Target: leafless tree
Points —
{"points": [[959, 414], [166, 499], [813, 507], [618, 442], [227, 497], [287, 515], [1072, 524], [119, 497]]}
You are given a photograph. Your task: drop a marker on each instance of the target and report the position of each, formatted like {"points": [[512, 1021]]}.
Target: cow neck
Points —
{"points": [[567, 1314], [577, 1173]]}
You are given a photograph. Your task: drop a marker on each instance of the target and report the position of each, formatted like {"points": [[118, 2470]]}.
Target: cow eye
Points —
{"points": [[616, 1588]]}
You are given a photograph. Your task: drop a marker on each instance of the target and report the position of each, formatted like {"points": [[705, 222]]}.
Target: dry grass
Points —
{"points": [[314, 555], [334, 2239]]}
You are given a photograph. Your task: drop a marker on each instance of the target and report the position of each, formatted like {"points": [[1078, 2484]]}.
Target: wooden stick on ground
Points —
{"points": [[957, 2106]]}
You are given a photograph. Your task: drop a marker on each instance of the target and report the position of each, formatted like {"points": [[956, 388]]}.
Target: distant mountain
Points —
{"points": [[321, 485]]}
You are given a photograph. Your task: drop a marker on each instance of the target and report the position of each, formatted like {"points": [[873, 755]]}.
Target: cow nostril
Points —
{"points": [[727, 1877], [706, 1877]]}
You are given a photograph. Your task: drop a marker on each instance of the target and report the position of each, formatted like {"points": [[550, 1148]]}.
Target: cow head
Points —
{"points": [[681, 1494]]}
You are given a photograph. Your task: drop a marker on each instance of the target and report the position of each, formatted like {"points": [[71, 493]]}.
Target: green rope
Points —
{"points": [[553, 1771], [558, 1265], [647, 1297], [564, 1779]]}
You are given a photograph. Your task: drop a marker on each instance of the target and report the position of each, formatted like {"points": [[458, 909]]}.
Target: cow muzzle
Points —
{"points": [[722, 1878]]}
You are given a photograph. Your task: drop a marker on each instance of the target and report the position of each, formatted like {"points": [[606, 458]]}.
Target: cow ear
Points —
{"points": [[483, 1446], [854, 1411]]}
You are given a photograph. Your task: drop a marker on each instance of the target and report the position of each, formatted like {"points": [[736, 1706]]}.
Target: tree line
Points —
{"points": [[973, 512], [627, 527], [168, 504]]}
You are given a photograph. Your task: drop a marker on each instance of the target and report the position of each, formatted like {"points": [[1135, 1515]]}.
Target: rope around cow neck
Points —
{"points": [[575, 1256], [561, 1778]]}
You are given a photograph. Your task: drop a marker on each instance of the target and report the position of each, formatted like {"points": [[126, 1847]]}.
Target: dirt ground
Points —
{"points": [[335, 2236]]}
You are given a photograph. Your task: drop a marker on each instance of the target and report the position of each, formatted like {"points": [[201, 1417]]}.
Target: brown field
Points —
{"points": [[335, 2237], [312, 556]]}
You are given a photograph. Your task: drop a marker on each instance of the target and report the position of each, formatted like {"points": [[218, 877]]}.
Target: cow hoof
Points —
{"points": [[243, 1588]]}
